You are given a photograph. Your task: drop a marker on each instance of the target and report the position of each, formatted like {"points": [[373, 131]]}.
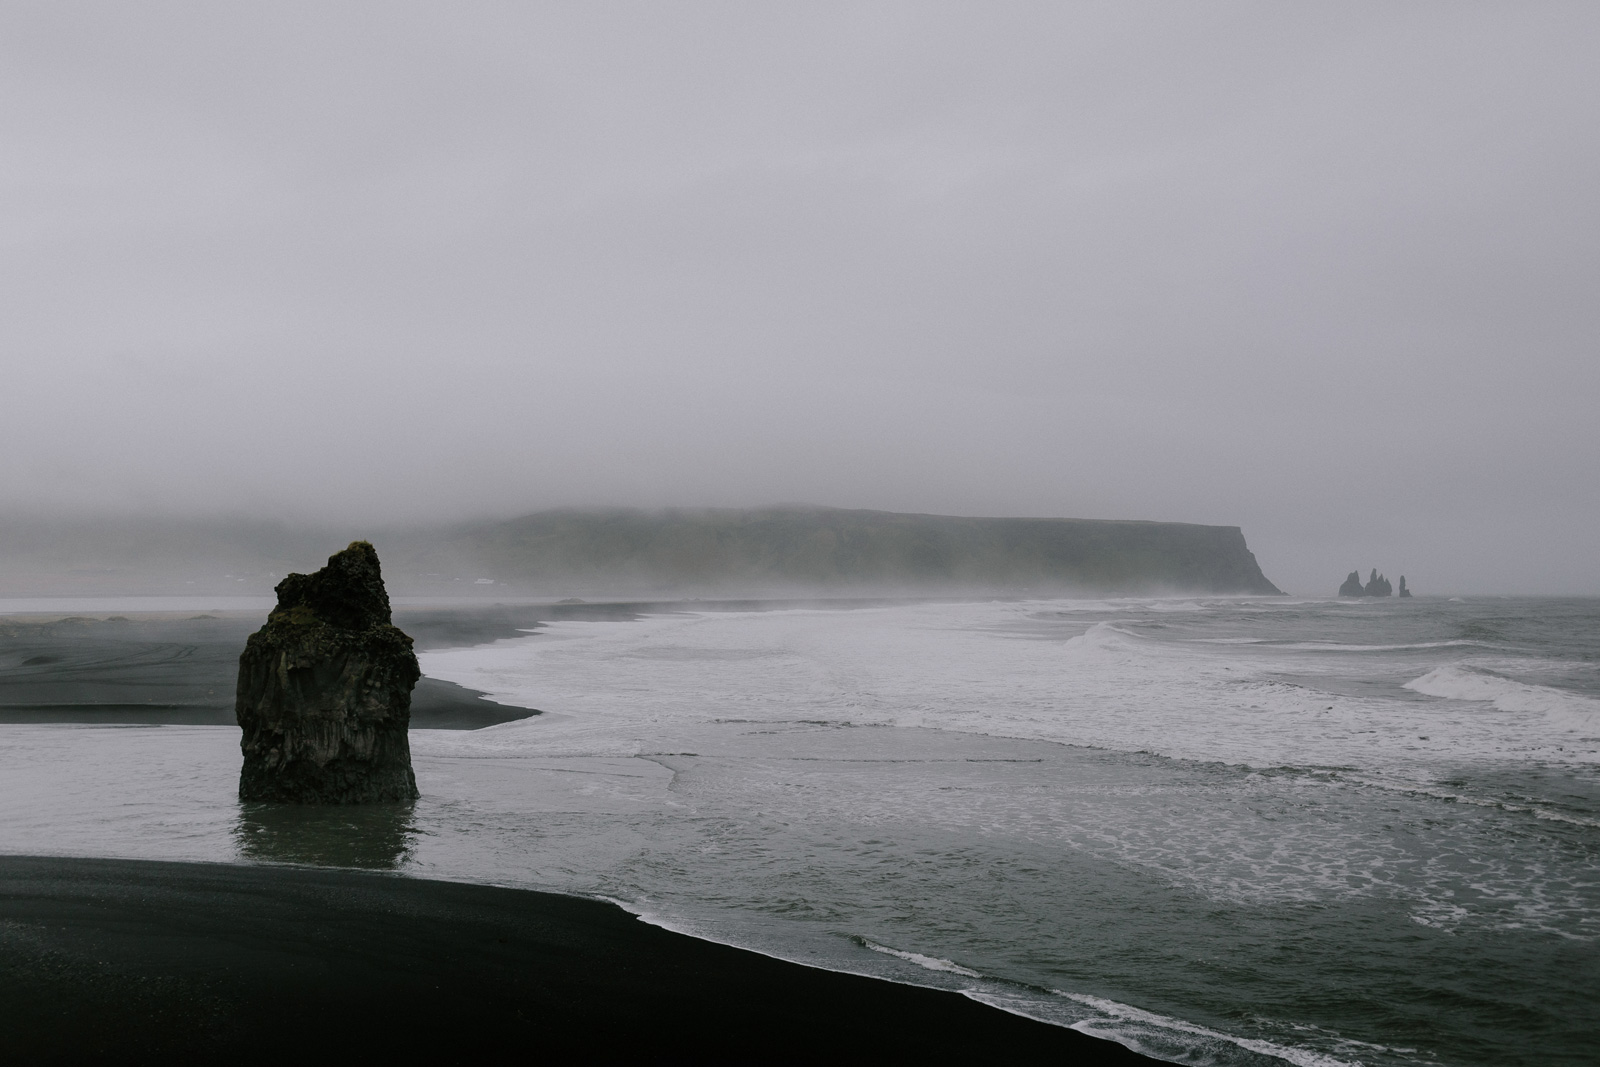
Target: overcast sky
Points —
{"points": [[1329, 272]]}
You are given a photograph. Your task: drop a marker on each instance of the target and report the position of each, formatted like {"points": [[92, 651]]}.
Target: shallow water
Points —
{"points": [[1221, 831]]}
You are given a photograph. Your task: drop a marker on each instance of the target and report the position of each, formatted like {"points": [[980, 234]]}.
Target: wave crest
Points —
{"points": [[1460, 681]]}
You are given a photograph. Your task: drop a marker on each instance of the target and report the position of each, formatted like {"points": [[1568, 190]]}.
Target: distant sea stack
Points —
{"points": [[324, 694], [808, 550], [1403, 590], [1377, 585]]}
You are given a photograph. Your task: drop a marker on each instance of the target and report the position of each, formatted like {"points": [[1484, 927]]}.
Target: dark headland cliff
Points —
{"points": [[774, 549], [688, 552]]}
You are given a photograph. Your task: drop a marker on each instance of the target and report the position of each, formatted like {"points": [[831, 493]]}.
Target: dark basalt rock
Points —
{"points": [[324, 694], [1377, 585]]}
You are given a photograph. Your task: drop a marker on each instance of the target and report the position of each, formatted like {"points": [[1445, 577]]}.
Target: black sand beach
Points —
{"points": [[121, 961], [148, 670], [127, 961]]}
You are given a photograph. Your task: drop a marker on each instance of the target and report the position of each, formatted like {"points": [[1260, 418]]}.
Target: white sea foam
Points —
{"points": [[1333, 646], [1499, 803], [927, 963], [1462, 681], [626, 687], [658, 685], [1149, 1032]]}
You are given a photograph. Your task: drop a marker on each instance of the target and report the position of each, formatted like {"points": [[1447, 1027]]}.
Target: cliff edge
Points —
{"points": [[837, 550]]}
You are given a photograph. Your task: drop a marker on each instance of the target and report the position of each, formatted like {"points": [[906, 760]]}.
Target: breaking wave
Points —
{"points": [[1461, 681]]}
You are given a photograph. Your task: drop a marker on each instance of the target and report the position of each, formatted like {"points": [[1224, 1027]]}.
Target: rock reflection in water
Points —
{"points": [[370, 836]]}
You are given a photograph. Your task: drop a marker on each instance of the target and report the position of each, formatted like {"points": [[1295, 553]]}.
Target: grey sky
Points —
{"points": [[1328, 272]]}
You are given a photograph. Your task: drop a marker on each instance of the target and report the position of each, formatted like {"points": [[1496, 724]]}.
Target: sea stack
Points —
{"points": [[1403, 590], [1352, 585], [1378, 585], [324, 694]]}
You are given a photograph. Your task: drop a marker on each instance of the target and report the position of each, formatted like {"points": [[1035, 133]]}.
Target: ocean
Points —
{"points": [[1220, 831]]}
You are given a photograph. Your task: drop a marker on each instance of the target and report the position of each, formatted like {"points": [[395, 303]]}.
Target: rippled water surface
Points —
{"points": [[1222, 831]]}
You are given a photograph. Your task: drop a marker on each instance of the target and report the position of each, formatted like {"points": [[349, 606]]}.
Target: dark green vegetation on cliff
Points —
{"points": [[324, 694], [775, 548]]}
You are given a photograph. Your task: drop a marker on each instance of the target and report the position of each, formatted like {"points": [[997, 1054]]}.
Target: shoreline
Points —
{"points": [[176, 669], [147, 671], [139, 960]]}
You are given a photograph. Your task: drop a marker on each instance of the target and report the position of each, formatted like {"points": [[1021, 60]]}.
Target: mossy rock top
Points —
{"points": [[347, 594]]}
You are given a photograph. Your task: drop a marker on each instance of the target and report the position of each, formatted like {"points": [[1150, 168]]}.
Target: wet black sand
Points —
{"points": [[182, 671], [134, 961]]}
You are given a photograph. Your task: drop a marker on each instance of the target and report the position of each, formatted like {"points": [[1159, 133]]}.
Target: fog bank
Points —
{"points": [[1325, 274]]}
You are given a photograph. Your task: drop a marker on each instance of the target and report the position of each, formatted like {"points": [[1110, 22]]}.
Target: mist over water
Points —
{"points": [[1322, 274], [1223, 831], [284, 276]]}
